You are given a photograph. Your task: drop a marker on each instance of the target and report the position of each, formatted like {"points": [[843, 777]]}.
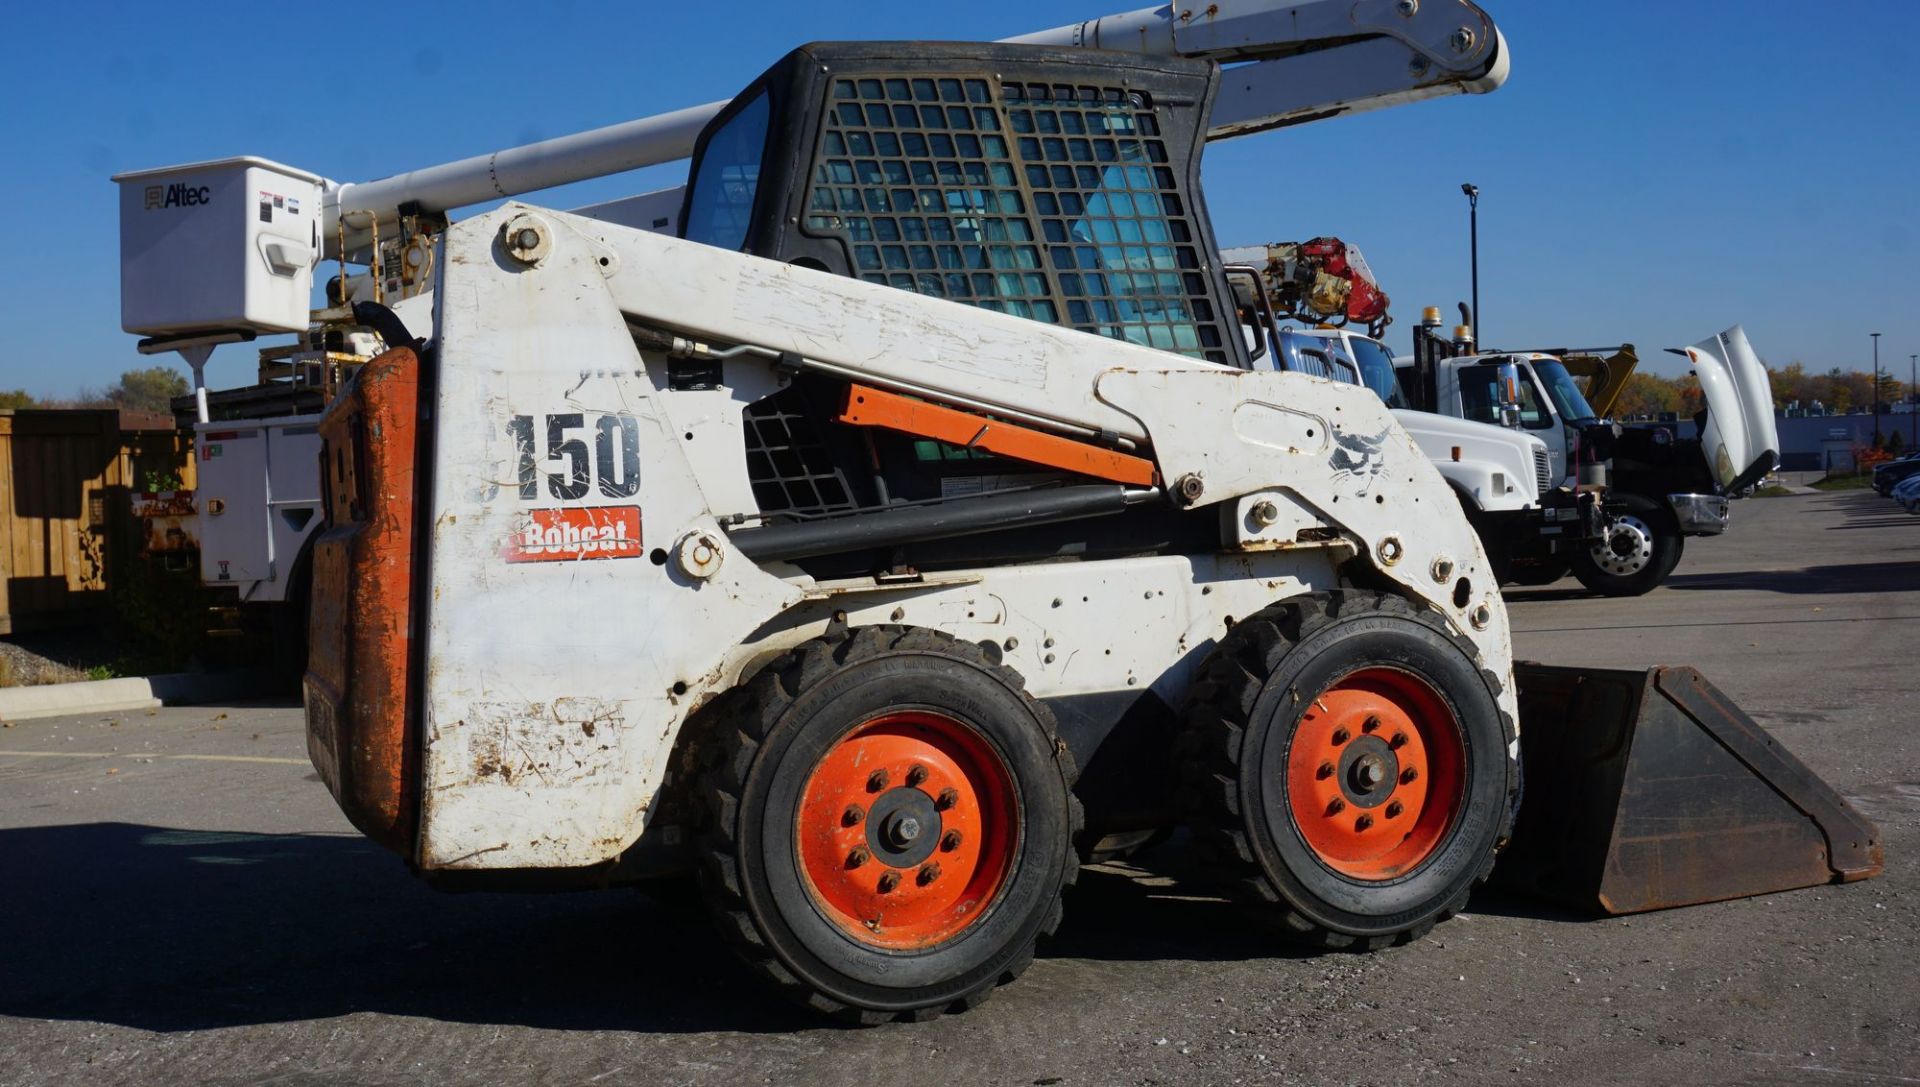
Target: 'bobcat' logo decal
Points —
{"points": [[1357, 457]]}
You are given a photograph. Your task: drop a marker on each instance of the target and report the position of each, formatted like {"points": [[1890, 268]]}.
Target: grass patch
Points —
{"points": [[1772, 490], [1859, 482]]}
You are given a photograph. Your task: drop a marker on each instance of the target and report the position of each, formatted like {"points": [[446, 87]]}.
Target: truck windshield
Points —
{"points": [[1560, 386], [1376, 370], [1480, 397], [720, 204]]}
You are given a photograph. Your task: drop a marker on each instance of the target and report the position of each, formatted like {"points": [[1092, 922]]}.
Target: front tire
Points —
{"points": [[891, 825], [1638, 549], [1347, 768]]}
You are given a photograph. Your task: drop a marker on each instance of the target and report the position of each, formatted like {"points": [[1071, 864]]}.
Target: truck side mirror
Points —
{"points": [[1509, 394]]}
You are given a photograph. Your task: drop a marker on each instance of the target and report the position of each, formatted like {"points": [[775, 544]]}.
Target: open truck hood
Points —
{"points": [[1740, 440]]}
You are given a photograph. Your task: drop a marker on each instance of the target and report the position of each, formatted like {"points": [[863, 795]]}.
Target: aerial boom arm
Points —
{"points": [[1287, 63]]}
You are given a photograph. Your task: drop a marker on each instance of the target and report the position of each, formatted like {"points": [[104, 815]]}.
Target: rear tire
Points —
{"points": [[1336, 851], [953, 867], [1641, 547]]}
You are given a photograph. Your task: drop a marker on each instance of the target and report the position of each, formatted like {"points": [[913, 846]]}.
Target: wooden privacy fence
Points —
{"points": [[67, 479]]}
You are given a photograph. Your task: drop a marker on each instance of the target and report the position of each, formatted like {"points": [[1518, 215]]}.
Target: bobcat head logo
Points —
{"points": [[1357, 458]]}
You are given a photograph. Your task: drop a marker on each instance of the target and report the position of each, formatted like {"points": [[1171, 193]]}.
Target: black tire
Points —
{"points": [[1642, 546], [789, 718], [1256, 690], [1534, 574]]}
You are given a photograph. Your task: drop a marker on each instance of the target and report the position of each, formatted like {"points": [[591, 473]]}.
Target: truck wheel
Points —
{"points": [[1347, 768], [1641, 546], [1537, 573], [891, 826]]}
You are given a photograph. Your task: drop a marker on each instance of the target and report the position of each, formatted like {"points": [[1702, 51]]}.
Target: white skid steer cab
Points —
{"points": [[913, 522]]}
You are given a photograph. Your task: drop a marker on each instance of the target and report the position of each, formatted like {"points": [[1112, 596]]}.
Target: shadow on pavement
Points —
{"points": [[1869, 577], [1548, 595], [172, 930]]}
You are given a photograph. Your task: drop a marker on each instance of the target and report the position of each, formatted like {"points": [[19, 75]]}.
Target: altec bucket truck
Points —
{"points": [[913, 519]]}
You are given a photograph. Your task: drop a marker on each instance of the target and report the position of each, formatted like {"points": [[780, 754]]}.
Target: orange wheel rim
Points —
{"points": [[907, 830], [1375, 774]]}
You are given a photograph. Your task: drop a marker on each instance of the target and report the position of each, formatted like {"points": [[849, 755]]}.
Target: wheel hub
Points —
{"points": [[917, 863], [1369, 771], [1627, 548], [903, 827], [1374, 774]]}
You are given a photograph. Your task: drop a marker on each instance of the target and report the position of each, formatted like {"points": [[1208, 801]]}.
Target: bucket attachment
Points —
{"points": [[1645, 790]]}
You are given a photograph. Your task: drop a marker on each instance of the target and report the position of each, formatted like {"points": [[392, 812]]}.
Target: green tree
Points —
{"points": [[16, 398], [1889, 389], [151, 389]]}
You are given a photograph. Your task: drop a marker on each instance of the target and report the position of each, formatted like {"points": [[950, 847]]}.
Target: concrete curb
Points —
{"points": [[120, 695]]}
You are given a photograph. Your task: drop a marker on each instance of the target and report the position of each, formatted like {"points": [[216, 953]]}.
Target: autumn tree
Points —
{"points": [[1647, 394]]}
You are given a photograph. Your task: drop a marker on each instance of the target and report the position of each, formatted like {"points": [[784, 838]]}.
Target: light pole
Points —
{"points": [[1473, 242], [1876, 388], [1913, 402]]}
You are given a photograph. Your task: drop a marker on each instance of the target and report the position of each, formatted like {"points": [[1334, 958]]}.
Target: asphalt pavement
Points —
{"points": [[180, 901]]}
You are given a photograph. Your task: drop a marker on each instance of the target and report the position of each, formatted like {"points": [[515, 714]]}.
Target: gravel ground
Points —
{"points": [[183, 903], [22, 667]]}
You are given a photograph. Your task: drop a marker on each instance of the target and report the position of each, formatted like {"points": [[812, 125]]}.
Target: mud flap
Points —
{"points": [[1646, 790]]}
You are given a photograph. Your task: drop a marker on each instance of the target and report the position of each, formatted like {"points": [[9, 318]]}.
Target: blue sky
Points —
{"points": [[1652, 172]]}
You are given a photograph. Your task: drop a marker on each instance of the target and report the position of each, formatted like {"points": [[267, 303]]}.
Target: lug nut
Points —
{"points": [[1363, 823], [916, 775], [1407, 775], [858, 857], [1399, 740], [1341, 735], [888, 881], [1394, 809], [852, 816], [1372, 722], [950, 841], [1325, 770], [876, 781], [947, 799], [1336, 806], [929, 873]]}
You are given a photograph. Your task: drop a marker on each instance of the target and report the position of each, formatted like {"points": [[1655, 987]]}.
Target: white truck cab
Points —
{"points": [[1503, 478], [1658, 488]]}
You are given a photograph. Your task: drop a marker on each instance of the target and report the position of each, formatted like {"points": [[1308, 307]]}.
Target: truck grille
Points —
{"points": [[1542, 469]]}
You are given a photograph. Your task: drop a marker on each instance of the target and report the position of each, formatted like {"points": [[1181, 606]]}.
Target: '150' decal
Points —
{"points": [[614, 462]]}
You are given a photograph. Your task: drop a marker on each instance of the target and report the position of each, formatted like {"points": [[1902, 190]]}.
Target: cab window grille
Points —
{"points": [[1051, 201], [790, 467]]}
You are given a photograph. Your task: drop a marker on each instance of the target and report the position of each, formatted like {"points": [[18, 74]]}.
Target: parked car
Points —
{"points": [[1907, 493], [1885, 476]]}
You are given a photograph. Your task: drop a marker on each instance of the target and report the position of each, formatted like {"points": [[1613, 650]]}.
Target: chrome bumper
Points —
{"points": [[1700, 514]]}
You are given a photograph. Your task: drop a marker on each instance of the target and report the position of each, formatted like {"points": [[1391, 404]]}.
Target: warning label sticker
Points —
{"points": [[598, 532]]}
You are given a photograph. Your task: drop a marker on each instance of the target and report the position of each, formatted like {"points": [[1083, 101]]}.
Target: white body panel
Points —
{"points": [[1498, 468], [555, 690], [258, 501], [1740, 439], [218, 245]]}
